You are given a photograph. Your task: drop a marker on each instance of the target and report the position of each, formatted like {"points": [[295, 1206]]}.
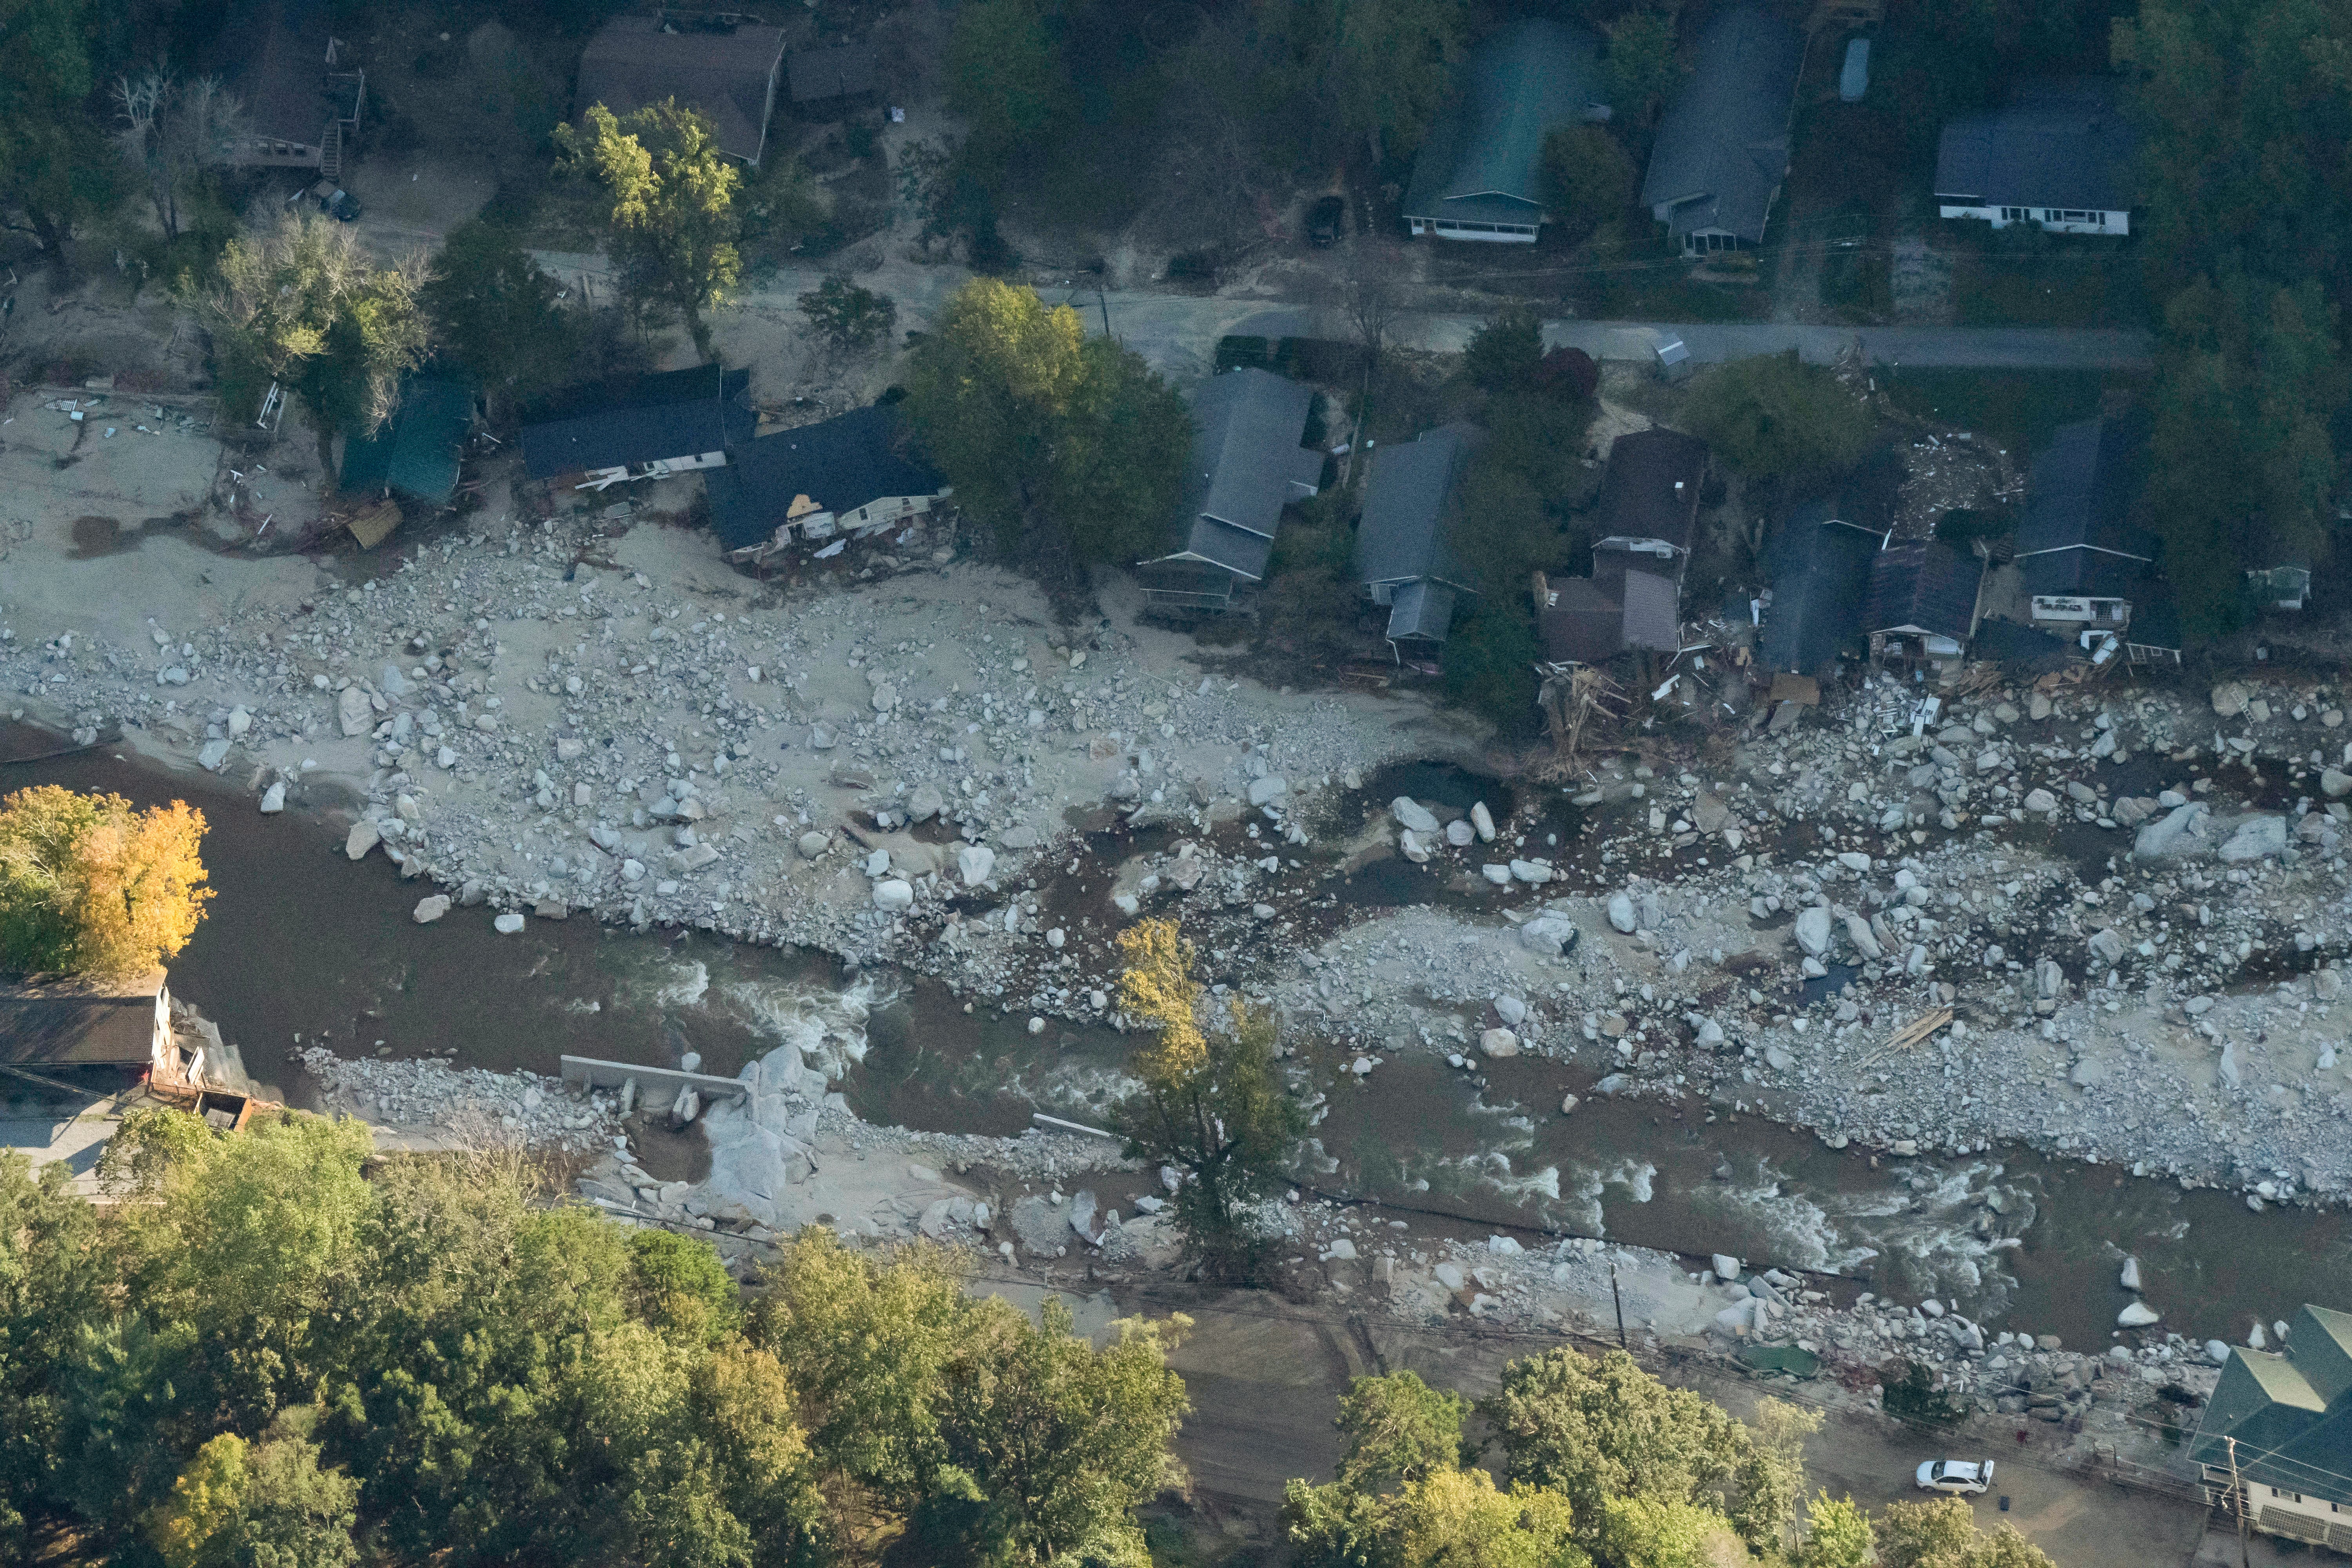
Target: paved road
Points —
{"points": [[1178, 333]]}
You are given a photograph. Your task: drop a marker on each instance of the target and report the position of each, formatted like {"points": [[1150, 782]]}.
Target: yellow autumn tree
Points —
{"points": [[91, 885], [1156, 989]]}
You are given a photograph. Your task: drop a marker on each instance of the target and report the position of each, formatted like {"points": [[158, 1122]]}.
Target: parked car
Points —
{"points": [[341, 205], [1954, 1476], [1323, 221]]}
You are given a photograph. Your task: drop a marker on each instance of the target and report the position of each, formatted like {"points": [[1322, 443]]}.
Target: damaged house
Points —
{"points": [[1818, 569], [1645, 525], [2081, 558], [851, 473], [1920, 607], [1247, 466], [723, 67], [640, 428]]}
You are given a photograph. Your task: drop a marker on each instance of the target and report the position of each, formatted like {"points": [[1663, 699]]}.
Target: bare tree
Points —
{"points": [[174, 131], [1361, 301]]}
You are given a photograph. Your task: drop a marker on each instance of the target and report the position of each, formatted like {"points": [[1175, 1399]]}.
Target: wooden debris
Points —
{"points": [[373, 525], [1913, 1033]]}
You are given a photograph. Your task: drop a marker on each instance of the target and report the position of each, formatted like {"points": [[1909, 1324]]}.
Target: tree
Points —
{"points": [[672, 223], [847, 316], [1588, 176], [1506, 353], [495, 311], [304, 306], [53, 1279], [1395, 1430], [1641, 66], [56, 169], [1211, 1103], [1647, 1532], [89, 885], [1772, 1470], [1070, 449], [1005, 77], [1943, 1533], [175, 132], [1379, 69], [1774, 416], [1490, 663], [266, 1505], [1837, 1535], [1362, 301]]}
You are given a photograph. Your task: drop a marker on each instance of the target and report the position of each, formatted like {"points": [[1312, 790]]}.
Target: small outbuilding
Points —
{"points": [[722, 67], [95, 1032], [415, 453], [830, 79], [1247, 467]]}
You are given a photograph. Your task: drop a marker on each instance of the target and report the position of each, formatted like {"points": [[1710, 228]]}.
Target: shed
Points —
{"points": [[416, 451], [854, 470], [1479, 174], [1819, 567], [828, 76], [1247, 466], [640, 427], [725, 69], [1722, 149], [1400, 539], [51, 1024]]}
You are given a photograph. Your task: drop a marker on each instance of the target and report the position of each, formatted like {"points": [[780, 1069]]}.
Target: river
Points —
{"points": [[300, 946]]}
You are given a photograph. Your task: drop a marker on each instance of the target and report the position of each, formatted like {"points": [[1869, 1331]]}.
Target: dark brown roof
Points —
{"points": [[76, 1023], [1583, 624], [1639, 499], [1623, 605], [843, 71], [724, 73], [284, 83], [1931, 586]]}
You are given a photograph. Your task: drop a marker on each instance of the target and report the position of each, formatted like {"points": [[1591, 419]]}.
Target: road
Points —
{"points": [[1178, 333]]}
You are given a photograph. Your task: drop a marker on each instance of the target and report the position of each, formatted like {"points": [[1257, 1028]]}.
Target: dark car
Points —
{"points": [[342, 206], [1323, 221]]}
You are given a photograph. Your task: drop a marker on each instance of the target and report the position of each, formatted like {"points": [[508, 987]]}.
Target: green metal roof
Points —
{"points": [[416, 452], [1483, 160], [2278, 1409]]}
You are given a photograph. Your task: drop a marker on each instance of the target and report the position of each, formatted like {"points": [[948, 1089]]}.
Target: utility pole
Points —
{"points": [[2238, 1503], [1104, 301], [1614, 1296]]}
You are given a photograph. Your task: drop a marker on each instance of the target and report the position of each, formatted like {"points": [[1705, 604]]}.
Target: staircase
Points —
{"points": [[330, 157]]}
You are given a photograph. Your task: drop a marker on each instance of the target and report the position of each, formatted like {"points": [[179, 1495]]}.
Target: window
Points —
{"points": [[2013, 215]]}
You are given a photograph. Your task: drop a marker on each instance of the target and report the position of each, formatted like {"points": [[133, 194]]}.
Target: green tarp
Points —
{"points": [[416, 452]]}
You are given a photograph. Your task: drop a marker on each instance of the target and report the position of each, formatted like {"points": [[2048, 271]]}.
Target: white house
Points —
{"points": [[2058, 156]]}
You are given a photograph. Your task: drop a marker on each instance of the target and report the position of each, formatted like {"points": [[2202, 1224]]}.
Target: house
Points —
{"points": [[1402, 553], [86, 1030], [725, 68], [302, 92], [414, 453], [1818, 569], [641, 427], [2078, 550], [1921, 602], [2284, 587], [847, 474], [2058, 155], [1625, 605], [2287, 1415], [1722, 148], [1649, 498], [1247, 466], [1479, 174], [822, 79]]}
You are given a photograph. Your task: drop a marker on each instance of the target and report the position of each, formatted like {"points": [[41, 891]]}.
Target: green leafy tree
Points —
{"points": [[1505, 353], [303, 305], [1211, 1103], [1641, 66], [672, 224], [1490, 661], [1069, 448], [1396, 1430], [57, 168], [1837, 1535], [847, 316], [1376, 69], [1005, 77], [1771, 1477], [1943, 1533], [681, 1288], [266, 1505], [1588, 176], [1774, 416], [54, 1278], [495, 312], [89, 885]]}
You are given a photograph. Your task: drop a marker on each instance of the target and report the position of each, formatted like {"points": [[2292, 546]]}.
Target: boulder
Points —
{"points": [[2040, 801], [1549, 934], [273, 799], [2107, 945], [2256, 838], [2138, 1315], [1482, 822], [1511, 1010], [893, 894], [1270, 788], [1727, 1268], [1411, 814], [1498, 875], [925, 804], [352, 712], [1813, 931], [2334, 782], [1865, 940], [1531, 871], [2230, 699], [975, 863], [364, 835], [1499, 1043], [814, 844], [429, 910], [2131, 1274], [1460, 834], [212, 754], [507, 924], [1409, 845], [2178, 832], [1620, 912]]}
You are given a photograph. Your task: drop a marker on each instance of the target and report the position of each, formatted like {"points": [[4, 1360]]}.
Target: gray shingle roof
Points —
{"points": [[1424, 609], [727, 75], [1402, 533], [1820, 570], [2077, 536], [641, 419], [284, 79], [840, 463], [843, 70], [1639, 496], [76, 1023], [1483, 160], [1723, 147], [1931, 586], [2057, 143], [1247, 466]]}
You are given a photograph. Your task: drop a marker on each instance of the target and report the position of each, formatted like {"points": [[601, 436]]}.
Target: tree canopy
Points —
{"points": [[90, 885], [672, 223], [57, 168], [282, 1351], [1068, 447], [1774, 416], [496, 313]]}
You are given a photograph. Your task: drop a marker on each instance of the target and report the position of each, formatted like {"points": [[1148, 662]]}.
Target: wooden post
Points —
{"points": [[2238, 1502]]}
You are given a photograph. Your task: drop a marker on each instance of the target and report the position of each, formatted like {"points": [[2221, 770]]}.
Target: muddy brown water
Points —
{"points": [[299, 941]]}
